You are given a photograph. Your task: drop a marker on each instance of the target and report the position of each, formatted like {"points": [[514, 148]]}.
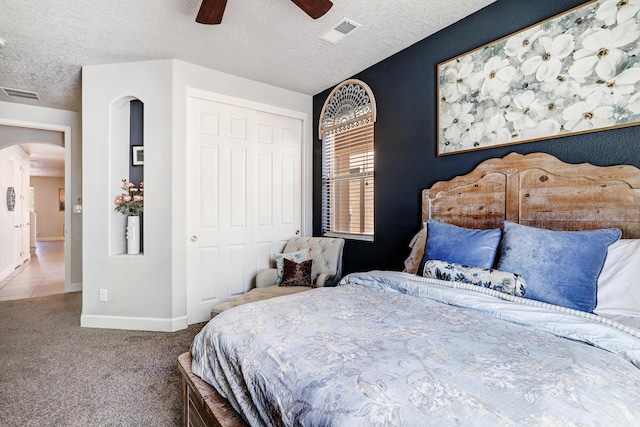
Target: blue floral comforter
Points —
{"points": [[393, 349]]}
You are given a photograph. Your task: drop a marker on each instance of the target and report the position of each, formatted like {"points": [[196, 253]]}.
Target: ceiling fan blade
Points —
{"points": [[211, 12], [314, 8]]}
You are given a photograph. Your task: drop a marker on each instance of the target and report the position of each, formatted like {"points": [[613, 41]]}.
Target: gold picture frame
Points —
{"points": [[574, 73]]}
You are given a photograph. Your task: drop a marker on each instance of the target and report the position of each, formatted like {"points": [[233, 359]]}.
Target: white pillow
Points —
{"points": [[619, 280], [417, 245]]}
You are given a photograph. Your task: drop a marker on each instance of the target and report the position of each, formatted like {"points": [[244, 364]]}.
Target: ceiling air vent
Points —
{"points": [[340, 30], [20, 93]]}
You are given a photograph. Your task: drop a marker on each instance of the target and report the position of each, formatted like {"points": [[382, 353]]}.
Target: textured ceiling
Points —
{"points": [[270, 41], [45, 159], [45, 148]]}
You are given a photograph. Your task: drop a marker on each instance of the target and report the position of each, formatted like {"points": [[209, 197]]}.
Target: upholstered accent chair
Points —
{"points": [[326, 270]]}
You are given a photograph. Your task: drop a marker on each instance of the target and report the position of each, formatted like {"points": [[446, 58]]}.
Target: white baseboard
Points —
{"points": [[49, 239], [7, 272], [74, 287], [133, 323]]}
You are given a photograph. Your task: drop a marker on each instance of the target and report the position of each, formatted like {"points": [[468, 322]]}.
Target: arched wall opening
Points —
{"points": [[126, 164], [33, 158]]}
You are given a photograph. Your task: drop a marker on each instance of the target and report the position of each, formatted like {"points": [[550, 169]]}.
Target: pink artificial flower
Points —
{"points": [[142, 184], [129, 185], [137, 198], [126, 198], [118, 200]]}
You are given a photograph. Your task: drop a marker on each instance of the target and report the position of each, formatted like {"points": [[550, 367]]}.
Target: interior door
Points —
{"points": [[20, 224], [279, 185], [244, 197], [26, 219]]}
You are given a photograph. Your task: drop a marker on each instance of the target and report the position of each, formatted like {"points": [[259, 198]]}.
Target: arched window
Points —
{"points": [[346, 130]]}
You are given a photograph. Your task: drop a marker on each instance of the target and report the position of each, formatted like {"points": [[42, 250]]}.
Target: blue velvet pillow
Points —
{"points": [[448, 242], [560, 267]]}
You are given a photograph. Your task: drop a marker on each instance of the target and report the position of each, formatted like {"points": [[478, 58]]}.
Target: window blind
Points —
{"points": [[348, 181]]}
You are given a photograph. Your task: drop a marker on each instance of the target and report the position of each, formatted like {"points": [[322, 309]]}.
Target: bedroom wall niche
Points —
{"points": [[126, 140]]}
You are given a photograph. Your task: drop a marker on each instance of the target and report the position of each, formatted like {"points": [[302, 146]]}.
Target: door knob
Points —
{"points": [[194, 238], [297, 232]]}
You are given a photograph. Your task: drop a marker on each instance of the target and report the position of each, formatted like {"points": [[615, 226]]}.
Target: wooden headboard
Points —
{"points": [[541, 191]]}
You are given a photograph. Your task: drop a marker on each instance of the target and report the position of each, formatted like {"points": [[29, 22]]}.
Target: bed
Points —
{"points": [[449, 342]]}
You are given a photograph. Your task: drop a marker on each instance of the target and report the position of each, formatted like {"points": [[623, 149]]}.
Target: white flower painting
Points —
{"points": [[576, 72]]}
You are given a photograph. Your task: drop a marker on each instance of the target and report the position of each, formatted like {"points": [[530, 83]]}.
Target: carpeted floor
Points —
{"points": [[55, 373]]}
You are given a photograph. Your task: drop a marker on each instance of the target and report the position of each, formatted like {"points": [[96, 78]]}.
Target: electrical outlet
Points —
{"points": [[103, 295]]}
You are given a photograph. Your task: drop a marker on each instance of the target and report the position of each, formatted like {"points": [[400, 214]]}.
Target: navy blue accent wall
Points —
{"points": [[136, 137], [404, 86]]}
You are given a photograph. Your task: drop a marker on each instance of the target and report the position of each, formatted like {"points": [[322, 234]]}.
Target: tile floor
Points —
{"points": [[42, 275]]}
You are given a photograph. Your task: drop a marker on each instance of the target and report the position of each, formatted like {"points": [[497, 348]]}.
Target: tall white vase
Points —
{"points": [[133, 235]]}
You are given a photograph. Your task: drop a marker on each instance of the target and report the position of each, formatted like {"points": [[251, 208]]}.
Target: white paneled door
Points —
{"points": [[21, 212], [26, 218], [244, 197]]}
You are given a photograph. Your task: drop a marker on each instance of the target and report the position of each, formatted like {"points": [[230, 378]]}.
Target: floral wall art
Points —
{"points": [[574, 73]]}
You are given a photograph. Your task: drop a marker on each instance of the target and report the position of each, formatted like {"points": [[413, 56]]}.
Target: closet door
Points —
{"points": [[244, 197]]}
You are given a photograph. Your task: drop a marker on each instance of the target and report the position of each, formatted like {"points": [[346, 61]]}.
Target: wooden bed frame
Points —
{"points": [[202, 405], [540, 191], [537, 190]]}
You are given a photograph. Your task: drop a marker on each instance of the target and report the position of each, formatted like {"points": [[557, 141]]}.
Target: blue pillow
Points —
{"points": [[448, 242], [560, 267]]}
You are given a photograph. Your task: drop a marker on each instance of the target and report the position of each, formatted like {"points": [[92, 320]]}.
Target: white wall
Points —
{"points": [[70, 123], [138, 286], [149, 291], [8, 158], [50, 219]]}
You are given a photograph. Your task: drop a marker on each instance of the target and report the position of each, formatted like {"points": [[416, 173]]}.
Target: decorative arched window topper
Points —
{"points": [[350, 104], [346, 127]]}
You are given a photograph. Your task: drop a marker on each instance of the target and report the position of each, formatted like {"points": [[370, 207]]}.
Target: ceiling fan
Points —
{"points": [[211, 11]]}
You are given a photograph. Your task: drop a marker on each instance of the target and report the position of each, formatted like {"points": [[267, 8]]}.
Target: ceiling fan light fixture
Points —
{"points": [[211, 12], [314, 8]]}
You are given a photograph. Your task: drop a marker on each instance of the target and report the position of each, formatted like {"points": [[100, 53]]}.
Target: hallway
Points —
{"points": [[41, 276]]}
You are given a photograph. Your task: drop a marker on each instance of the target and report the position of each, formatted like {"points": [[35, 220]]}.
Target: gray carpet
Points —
{"points": [[55, 373]]}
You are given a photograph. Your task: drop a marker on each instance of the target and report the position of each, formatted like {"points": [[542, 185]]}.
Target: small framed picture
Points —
{"points": [[137, 155], [61, 199]]}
